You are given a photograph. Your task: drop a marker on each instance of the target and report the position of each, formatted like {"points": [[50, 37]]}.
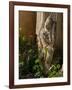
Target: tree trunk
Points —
{"points": [[46, 50]]}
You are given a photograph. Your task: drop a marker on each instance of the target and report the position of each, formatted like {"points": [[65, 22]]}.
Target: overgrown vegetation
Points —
{"points": [[29, 63]]}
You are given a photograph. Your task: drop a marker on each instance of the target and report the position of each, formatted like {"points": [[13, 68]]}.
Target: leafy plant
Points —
{"points": [[30, 65], [55, 71]]}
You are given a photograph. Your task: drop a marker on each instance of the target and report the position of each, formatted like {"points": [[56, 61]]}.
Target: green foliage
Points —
{"points": [[30, 65], [38, 69], [27, 56], [55, 71]]}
